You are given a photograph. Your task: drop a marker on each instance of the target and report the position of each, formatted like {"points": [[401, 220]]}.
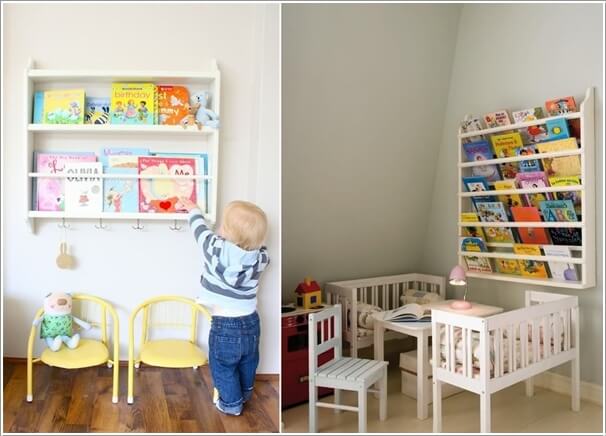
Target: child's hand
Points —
{"points": [[186, 203]]}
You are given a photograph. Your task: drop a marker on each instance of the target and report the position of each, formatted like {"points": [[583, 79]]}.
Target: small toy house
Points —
{"points": [[309, 294]]}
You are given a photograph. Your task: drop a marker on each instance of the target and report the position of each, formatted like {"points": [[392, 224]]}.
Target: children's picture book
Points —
{"points": [[560, 270], [559, 106], [558, 210], [50, 192], [475, 263], [507, 266], [534, 134], [494, 212], [106, 152], [564, 165], [496, 119], [507, 145], [509, 200], [173, 104], [529, 165], [574, 196], [479, 151], [411, 312], [475, 232], [557, 129], [64, 106], [121, 195], [162, 195], [525, 115], [97, 110], [566, 236], [530, 180], [38, 109], [473, 244], [530, 268], [84, 188], [529, 235], [133, 103]]}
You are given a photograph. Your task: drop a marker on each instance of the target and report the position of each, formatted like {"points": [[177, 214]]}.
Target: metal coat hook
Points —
{"points": [[101, 225], [138, 226], [63, 225], [175, 227]]}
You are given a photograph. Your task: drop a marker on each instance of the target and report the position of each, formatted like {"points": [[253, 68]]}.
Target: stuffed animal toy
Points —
{"points": [[190, 119], [205, 115], [57, 321]]}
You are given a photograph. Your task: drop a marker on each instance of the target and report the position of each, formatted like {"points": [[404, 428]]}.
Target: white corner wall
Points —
{"points": [[122, 265], [516, 56]]}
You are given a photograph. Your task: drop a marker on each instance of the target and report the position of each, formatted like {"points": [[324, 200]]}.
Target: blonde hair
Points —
{"points": [[244, 224]]}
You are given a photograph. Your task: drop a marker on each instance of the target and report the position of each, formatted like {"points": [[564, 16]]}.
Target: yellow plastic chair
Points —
{"points": [[90, 352], [165, 353]]}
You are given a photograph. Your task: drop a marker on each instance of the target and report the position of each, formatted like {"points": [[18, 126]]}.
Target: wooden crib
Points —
{"points": [[385, 292], [485, 355]]}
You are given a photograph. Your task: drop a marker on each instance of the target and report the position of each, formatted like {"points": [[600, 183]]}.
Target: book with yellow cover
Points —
{"points": [[507, 266], [509, 200], [530, 268], [507, 145], [574, 196], [63, 106], [475, 232], [133, 103], [560, 166]]}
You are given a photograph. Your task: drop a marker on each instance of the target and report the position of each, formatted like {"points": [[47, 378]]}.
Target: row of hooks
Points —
{"points": [[100, 226]]}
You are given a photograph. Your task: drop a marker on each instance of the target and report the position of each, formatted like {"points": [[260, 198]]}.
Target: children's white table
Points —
{"points": [[422, 331]]}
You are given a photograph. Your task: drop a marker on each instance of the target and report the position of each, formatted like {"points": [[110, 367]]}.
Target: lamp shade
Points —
{"points": [[458, 276]]}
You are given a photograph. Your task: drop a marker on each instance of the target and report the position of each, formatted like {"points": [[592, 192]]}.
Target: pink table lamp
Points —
{"points": [[459, 278]]}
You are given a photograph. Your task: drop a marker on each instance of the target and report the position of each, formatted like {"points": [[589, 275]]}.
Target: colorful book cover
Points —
{"points": [[560, 166], [121, 195], [84, 188], [50, 193], [531, 180], [479, 151], [560, 270], [471, 124], [558, 210], [475, 232], [496, 119], [133, 103], [64, 106], [473, 244], [574, 196], [162, 195], [529, 235], [38, 108], [508, 266], [559, 106], [475, 263], [529, 165], [565, 236], [534, 134], [507, 145], [172, 104], [530, 114], [106, 152], [494, 212], [509, 200], [530, 268], [97, 110], [557, 129]]}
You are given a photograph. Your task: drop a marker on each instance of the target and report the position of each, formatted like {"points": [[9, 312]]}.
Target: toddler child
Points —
{"points": [[233, 259]]}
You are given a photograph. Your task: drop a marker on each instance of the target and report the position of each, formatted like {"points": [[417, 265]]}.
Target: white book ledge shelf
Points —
{"points": [[583, 256], [91, 137]]}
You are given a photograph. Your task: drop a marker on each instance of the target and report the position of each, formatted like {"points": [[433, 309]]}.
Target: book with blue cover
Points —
{"points": [[38, 112], [557, 129], [478, 184], [105, 152], [479, 151], [96, 110], [561, 210], [121, 195]]}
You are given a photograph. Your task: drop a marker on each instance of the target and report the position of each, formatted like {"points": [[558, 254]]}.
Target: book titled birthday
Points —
{"points": [[133, 103]]}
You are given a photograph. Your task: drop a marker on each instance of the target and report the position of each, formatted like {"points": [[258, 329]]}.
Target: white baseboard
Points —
{"points": [[561, 384]]}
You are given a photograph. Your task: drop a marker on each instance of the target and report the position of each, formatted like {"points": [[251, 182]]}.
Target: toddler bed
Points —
{"points": [[363, 297], [485, 355]]}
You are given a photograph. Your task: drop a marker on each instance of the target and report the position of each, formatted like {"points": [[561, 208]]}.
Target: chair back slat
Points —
{"points": [[324, 333]]}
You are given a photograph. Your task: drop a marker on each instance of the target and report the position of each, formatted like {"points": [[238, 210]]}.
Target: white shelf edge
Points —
{"points": [[119, 128], [568, 116], [135, 75], [528, 280], [118, 176], [536, 156], [111, 216], [512, 256], [545, 224], [523, 191], [510, 245]]}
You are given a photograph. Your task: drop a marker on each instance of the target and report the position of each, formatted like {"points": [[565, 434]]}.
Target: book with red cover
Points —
{"points": [[529, 235], [162, 195]]}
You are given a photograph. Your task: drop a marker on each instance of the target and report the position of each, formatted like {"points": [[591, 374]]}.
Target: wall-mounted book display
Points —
{"points": [[527, 194]]}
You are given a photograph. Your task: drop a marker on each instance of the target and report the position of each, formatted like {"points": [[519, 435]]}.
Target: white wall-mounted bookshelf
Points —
{"points": [[583, 256], [88, 137]]}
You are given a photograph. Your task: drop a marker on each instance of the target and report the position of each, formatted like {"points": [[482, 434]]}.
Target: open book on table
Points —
{"points": [[408, 313]]}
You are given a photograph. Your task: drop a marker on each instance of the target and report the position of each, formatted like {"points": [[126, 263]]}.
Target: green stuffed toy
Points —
{"points": [[57, 321]]}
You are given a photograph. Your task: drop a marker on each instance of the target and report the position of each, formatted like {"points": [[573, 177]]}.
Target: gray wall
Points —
{"points": [[495, 69], [363, 98]]}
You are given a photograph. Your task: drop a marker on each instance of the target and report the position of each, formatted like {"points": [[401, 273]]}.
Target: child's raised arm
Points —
{"points": [[204, 236]]}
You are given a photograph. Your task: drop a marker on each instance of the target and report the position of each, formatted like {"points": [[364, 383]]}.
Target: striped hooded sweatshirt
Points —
{"points": [[230, 276]]}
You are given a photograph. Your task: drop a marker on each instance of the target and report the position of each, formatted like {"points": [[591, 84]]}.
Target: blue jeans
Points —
{"points": [[234, 356]]}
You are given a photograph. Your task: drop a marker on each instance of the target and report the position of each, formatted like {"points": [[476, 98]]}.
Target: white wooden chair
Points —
{"points": [[347, 373]]}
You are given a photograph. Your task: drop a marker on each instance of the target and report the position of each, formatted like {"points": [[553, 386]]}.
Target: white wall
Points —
{"points": [[517, 56], [363, 92], [122, 265]]}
